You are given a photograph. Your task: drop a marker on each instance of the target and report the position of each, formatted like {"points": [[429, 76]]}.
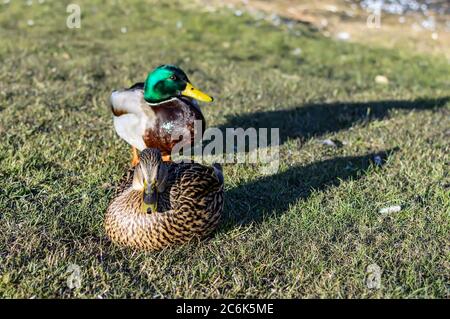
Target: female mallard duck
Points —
{"points": [[158, 112], [165, 203]]}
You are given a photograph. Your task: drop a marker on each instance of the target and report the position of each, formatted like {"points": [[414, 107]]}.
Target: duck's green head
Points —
{"points": [[168, 81]]}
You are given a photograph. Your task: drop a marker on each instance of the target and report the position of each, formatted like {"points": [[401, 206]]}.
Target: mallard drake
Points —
{"points": [[151, 113], [165, 203]]}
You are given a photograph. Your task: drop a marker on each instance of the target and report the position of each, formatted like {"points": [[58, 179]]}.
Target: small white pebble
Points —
{"points": [[331, 8], [29, 2], [429, 24], [275, 19], [329, 142], [377, 159], [238, 13], [297, 51], [434, 36], [124, 30], [390, 209], [343, 36], [401, 19], [179, 24], [30, 22], [6, 1], [373, 280], [381, 79]]}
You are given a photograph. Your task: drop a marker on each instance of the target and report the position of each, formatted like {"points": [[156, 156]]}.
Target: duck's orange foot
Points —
{"points": [[166, 158], [135, 158], [134, 162]]}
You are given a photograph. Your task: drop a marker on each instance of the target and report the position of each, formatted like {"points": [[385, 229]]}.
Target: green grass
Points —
{"points": [[310, 230]]}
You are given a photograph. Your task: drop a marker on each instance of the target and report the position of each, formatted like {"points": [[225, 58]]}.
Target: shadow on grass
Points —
{"points": [[272, 195], [317, 119]]}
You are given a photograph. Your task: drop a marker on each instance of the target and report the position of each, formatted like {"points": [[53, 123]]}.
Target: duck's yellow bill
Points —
{"points": [[196, 94]]}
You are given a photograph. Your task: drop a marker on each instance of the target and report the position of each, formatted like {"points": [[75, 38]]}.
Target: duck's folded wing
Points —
{"points": [[128, 100], [137, 86]]}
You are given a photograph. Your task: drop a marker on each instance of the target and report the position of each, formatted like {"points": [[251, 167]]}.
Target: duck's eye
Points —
{"points": [[173, 77]]}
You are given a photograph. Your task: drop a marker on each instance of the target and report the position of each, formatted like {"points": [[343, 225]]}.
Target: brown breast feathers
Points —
{"points": [[174, 118]]}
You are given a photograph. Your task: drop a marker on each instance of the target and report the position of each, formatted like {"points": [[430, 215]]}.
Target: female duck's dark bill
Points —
{"points": [[194, 93], [150, 198]]}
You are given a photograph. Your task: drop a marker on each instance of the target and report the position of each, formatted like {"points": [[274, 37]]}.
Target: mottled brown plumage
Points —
{"points": [[190, 205]]}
